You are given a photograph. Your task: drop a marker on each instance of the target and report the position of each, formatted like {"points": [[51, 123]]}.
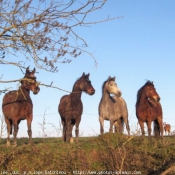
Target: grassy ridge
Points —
{"points": [[109, 153]]}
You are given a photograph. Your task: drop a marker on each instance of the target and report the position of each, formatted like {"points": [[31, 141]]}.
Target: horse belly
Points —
{"points": [[141, 116], [19, 111]]}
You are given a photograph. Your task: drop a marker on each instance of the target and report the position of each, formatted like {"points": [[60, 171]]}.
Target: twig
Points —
{"points": [[168, 170]]}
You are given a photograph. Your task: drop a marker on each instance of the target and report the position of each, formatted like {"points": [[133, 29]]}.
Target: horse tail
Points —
{"points": [[156, 128]]}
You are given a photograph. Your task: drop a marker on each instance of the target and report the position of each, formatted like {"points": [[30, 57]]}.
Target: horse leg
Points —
{"points": [[67, 131], [29, 121], [111, 126], [127, 124], [64, 131], [77, 129], [120, 125], [101, 120], [159, 120], [71, 128], [15, 132], [117, 126], [149, 127], [9, 130], [142, 127]]}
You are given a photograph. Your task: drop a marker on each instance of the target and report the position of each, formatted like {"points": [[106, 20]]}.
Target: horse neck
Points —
{"points": [[24, 93], [143, 102], [76, 92], [106, 95]]}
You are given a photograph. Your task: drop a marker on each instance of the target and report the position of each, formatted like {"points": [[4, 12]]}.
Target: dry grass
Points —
{"points": [[109, 152]]}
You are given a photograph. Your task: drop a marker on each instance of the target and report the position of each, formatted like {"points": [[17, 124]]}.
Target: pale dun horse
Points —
{"points": [[113, 108], [167, 128]]}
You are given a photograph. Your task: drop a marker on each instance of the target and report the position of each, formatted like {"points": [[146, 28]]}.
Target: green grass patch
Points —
{"points": [[108, 152]]}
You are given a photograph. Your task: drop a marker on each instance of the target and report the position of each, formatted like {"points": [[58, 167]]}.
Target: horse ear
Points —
{"points": [[83, 74], [34, 70], [27, 70], [88, 75], [114, 78], [109, 78]]}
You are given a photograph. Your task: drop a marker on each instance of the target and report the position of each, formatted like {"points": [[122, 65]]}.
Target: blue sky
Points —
{"points": [[136, 48]]}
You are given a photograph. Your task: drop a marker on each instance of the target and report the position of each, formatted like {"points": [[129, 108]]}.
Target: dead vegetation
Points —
{"points": [[109, 152]]}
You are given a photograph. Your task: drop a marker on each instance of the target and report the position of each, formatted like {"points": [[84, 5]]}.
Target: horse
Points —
{"points": [[17, 105], [148, 109], [112, 108], [167, 128], [70, 107]]}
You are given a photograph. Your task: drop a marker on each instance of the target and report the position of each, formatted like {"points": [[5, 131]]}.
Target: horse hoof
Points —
{"points": [[30, 143], [71, 140], [15, 145]]}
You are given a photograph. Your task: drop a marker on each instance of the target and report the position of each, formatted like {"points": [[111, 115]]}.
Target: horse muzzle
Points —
{"points": [[36, 90], [91, 91], [157, 99], [118, 94]]}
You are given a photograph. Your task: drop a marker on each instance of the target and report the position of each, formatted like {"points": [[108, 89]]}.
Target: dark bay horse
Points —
{"points": [[112, 108], [70, 107], [17, 105], [167, 128], [148, 109]]}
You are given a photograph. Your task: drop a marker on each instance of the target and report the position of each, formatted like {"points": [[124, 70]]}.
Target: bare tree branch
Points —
{"points": [[44, 33], [41, 84], [168, 170]]}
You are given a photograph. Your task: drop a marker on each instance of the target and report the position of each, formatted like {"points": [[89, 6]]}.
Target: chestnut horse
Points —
{"points": [[113, 108], [17, 105], [148, 109], [70, 107], [167, 128]]}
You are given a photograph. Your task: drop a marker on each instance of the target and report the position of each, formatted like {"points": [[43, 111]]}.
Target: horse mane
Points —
{"points": [[103, 85], [76, 82], [139, 93]]}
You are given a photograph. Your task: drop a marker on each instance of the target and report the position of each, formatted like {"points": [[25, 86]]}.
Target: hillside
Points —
{"points": [[106, 154]]}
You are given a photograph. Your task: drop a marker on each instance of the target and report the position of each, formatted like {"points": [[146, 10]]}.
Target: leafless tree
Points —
{"points": [[44, 31]]}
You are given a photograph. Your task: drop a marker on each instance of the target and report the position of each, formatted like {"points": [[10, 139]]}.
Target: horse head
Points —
{"points": [[29, 81], [111, 87], [150, 92], [85, 84]]}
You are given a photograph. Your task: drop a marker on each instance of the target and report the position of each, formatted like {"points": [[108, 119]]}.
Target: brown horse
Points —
{"points": [[70, 107], [167, 128], [148, 109], [17, 105]]}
